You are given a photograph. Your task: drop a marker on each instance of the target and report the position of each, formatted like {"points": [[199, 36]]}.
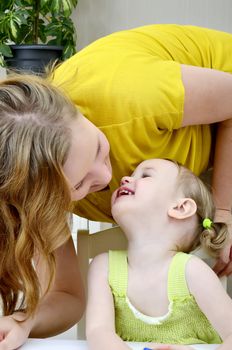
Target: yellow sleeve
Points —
{"points": [[112, 84]]}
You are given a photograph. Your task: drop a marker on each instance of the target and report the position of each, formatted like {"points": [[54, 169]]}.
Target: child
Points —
{"points": [[156, 292]]}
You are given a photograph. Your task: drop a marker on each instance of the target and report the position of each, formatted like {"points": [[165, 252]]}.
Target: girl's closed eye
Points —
{"points": [[146, 175]]}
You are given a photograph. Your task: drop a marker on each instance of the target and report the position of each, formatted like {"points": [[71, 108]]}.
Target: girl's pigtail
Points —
{"points": [[213, 238]]}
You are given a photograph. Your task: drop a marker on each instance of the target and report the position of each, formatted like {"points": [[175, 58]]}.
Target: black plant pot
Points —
{"points": [[33, 58]]}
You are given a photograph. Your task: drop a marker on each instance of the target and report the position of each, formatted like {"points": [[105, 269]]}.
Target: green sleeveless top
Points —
{"points": [[184, 323]]}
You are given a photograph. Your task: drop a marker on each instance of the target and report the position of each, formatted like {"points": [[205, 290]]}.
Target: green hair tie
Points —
{"points": [[207, 223]]}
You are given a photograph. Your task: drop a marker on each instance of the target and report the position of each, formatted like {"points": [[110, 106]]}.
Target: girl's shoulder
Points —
{"points": [[199, 274], [99, 265], [196, 267], [100, 259]]}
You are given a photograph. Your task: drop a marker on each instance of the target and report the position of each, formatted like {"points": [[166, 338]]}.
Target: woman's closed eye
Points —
{"points": [[78, 186]]}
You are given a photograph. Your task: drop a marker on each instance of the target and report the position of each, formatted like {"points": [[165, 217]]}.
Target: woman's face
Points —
{"points": [[87, 167]]}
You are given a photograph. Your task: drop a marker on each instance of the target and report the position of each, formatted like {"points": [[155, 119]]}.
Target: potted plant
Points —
{"points": [[38, 28]]}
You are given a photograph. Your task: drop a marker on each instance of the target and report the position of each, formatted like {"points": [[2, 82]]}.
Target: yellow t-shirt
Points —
{"points": [[129, 85]]}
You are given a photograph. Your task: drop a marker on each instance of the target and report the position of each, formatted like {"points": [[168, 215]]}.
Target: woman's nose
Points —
{"points": [[101, 176]]}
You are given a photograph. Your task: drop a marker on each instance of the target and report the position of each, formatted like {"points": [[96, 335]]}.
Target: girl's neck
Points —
{"points": [[148, 255], [152, 240], [149, 248]]}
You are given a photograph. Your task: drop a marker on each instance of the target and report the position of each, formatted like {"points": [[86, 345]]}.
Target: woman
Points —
{"points": [[50, 155], [42, 133], [154, 91]]}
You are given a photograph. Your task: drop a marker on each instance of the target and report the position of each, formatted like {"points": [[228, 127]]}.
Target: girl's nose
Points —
{"points": [[125, 180]]}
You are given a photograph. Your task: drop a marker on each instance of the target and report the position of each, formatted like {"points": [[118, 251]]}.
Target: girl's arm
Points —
{"points": [[100, 325], [208, 99], [212, 299]]}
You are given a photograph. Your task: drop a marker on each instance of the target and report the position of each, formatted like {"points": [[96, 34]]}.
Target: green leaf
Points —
{"points": [[55, 6], [5, 4], [67, 7], [2, 63], [14, 28], [42, 33], [17, 18], [69, 50], [5, 50], [27, 2], [52, 42], [23, 17], [24, 35], [74, 3]]}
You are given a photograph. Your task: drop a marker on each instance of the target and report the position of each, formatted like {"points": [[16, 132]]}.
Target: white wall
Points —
{"points": [[96, 18]]}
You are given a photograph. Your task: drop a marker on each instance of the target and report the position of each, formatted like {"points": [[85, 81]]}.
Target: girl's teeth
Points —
{"points": [[125, 192]]}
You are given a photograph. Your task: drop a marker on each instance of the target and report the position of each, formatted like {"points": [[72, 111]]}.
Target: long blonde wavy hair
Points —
{"points": [[211, 239], [34, 195]]}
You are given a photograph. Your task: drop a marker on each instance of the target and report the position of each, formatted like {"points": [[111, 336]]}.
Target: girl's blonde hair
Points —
{"points": [[34, 195], [211, 239]]}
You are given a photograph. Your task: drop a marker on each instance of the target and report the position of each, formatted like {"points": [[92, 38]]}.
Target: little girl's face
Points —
{"points": [[151, 188]]}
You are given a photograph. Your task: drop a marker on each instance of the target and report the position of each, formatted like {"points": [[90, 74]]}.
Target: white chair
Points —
{"points": [[90, 245]]}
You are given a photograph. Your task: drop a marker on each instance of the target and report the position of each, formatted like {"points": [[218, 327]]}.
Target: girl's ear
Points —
{"points": [[184, 208]]}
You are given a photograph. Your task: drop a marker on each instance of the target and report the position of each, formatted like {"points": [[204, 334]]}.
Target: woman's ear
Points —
{"points": [[184, 208]]}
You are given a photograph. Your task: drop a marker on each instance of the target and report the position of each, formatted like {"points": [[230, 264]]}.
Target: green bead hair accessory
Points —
{"points": [[207, 223]]}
